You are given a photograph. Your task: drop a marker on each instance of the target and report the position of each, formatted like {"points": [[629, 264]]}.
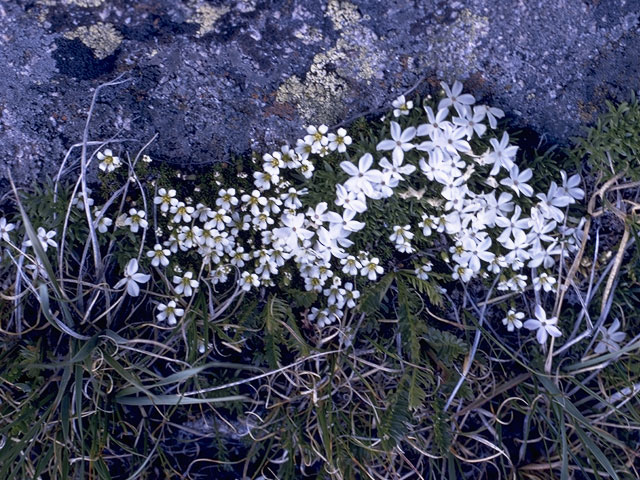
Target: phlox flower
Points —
{"points": [[263, 180], [132, 278], [570, 186], [45, 238], [544, 326], [517, 181], [293, 230], [396, 169], [492, 114], [471, 122], [455, 97], [610, 338], [502, 155], [362, 178], [5, 228], [400, 142], [435, 122]]}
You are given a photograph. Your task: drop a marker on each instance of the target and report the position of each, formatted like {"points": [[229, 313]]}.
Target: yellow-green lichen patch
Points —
{"points": [[321, 96], [206, 17], [102, 38], [342, 14]]}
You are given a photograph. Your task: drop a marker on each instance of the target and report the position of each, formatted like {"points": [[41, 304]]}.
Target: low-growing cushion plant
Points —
{"points": [[406, 297]]}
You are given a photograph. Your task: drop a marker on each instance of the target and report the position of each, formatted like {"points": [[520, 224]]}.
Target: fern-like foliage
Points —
{"points": [[396, 419]]}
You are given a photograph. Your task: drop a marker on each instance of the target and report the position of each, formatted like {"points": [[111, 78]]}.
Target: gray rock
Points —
{"points": [[219, 78]]}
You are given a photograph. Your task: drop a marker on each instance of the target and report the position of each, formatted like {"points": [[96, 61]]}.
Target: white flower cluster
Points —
{"points": [[495, 221]]}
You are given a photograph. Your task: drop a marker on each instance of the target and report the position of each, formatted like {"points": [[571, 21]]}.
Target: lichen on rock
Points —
{"points": [[102, 38], [321, 95], [206, 17]]}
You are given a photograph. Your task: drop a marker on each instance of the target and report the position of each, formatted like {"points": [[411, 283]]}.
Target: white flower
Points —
{"points": [[492, 114], [159, 256], [401, 234], [371, 268], [293, 230], [169, 312], [345, 221], [517, 181], [395, 169], [401, 106], [103, 224], [455, 97], [400, 143], [254, 202], [5, 228], [611, 338], [339, 141], [436, 122], [422, 272], [238, 257], [502, 155], [79, 200], [181, 212], [132, 278], [273, 163], [135, 220], [544, 281], [570, 186], [350, 265], [291, 198], [471, 122], [108, 161], [462, 273], [544, 326], [317, 137], [350, 200], [317, 215], [45, 238], [263, 180], [363, 178], [165, 198], [185, 285], [226, 198], [513, 320], [248, 280], [350, 295]]}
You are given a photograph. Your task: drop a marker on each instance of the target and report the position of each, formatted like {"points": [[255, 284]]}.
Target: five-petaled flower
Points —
{"points": [[132, 278], [544, 326]]}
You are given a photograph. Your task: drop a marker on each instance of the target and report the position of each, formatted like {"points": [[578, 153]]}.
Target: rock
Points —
{"points": [[220, 78]]}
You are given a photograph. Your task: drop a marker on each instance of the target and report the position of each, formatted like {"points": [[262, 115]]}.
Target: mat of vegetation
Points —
{"points": [[423, 295]]}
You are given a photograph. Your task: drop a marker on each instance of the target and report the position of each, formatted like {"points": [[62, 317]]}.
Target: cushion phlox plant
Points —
{"points": [[402, 296], [479, 218]]}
